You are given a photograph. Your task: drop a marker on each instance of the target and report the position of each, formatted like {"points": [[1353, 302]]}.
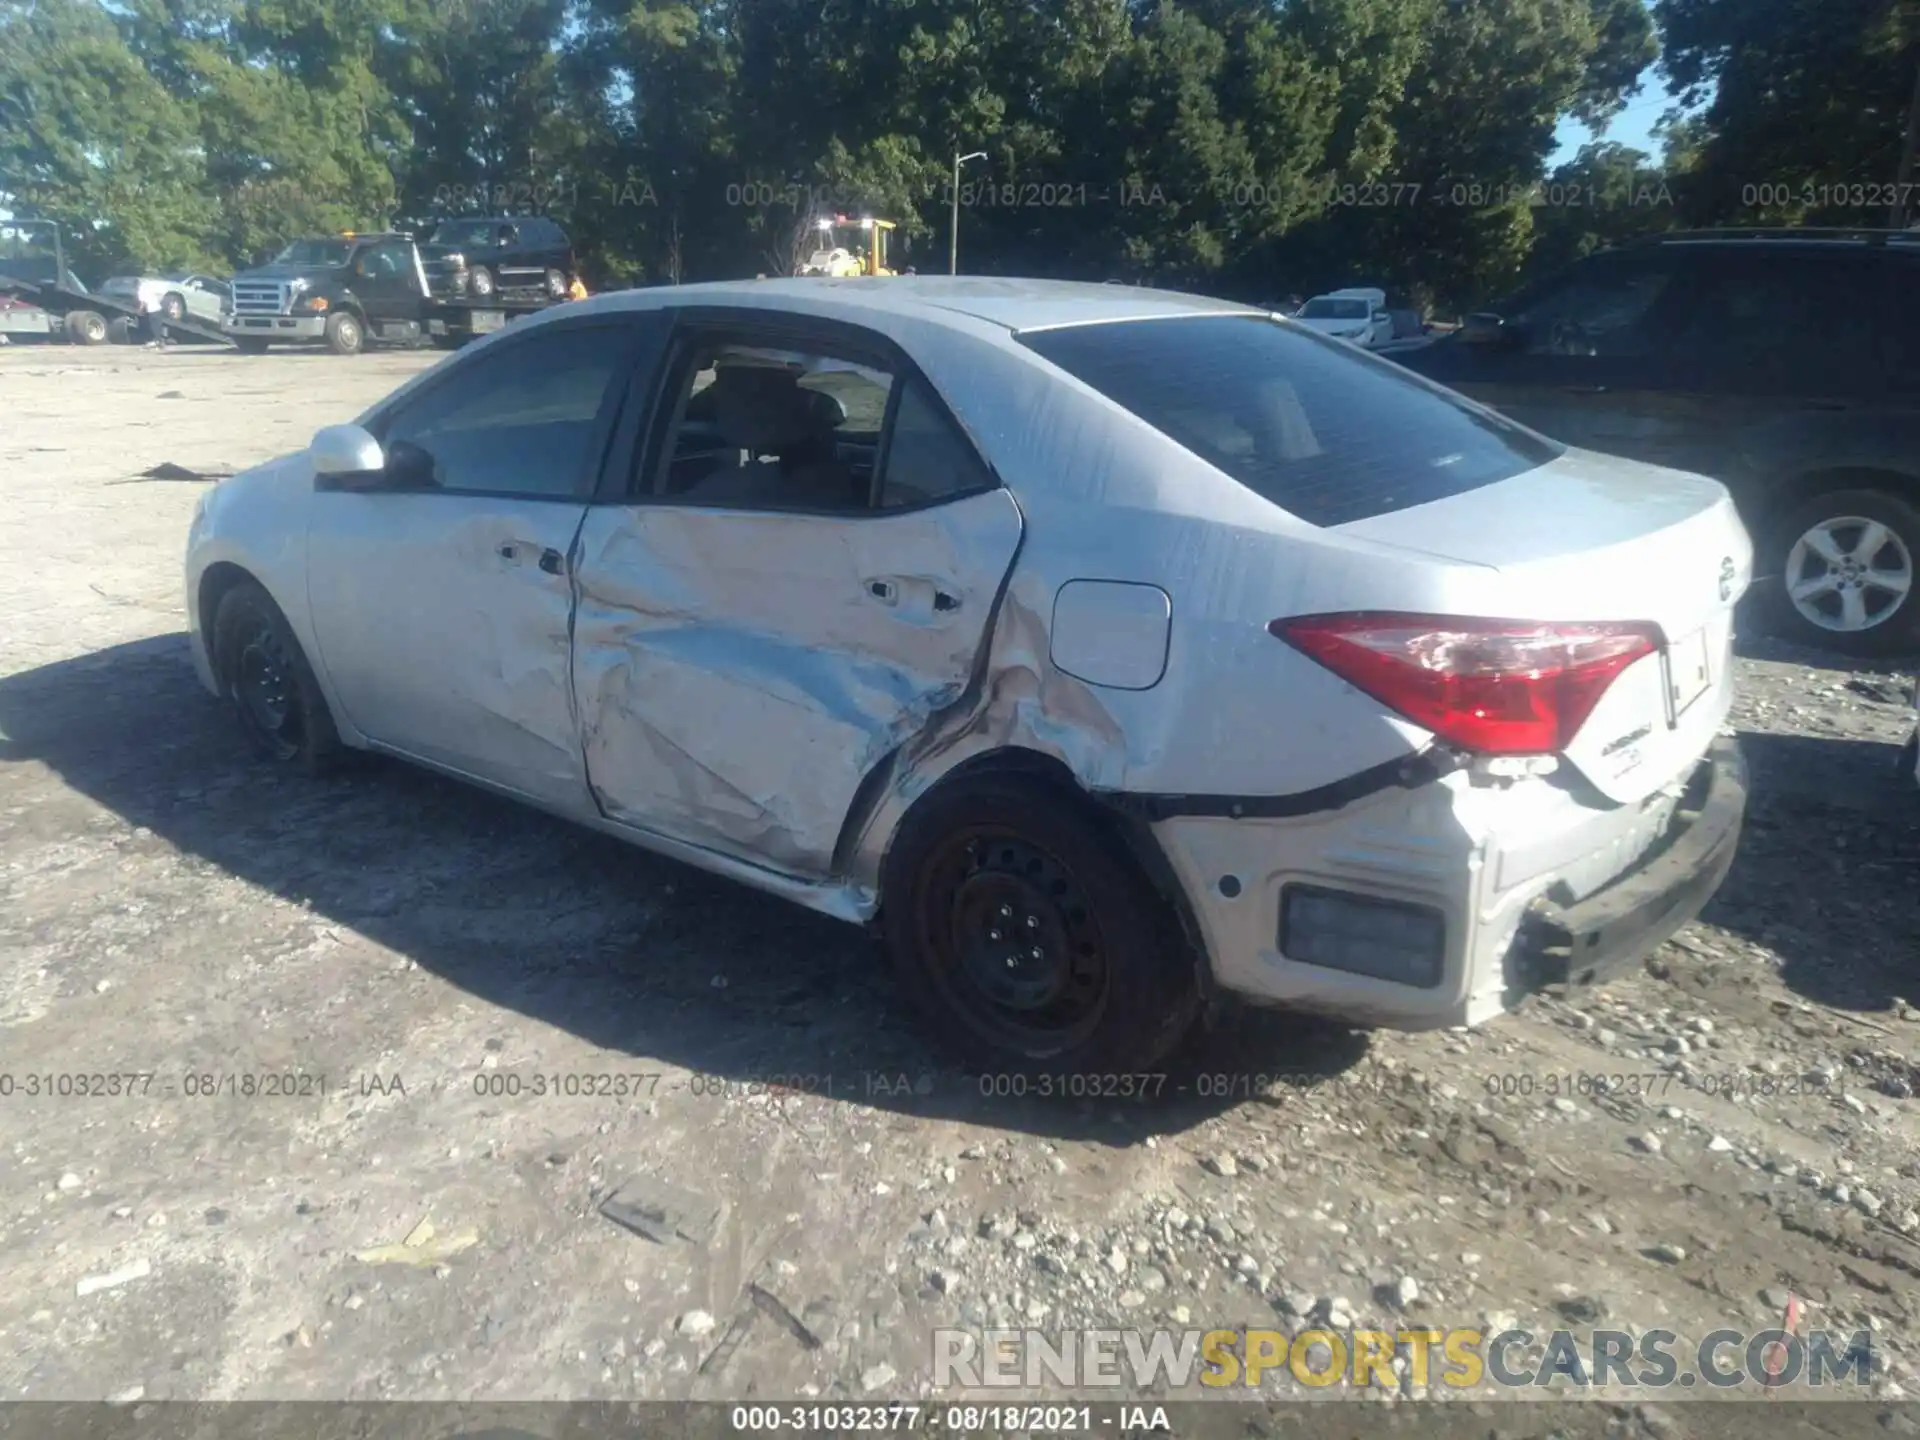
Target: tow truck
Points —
{"points": [[53, 303], [348, 290]]}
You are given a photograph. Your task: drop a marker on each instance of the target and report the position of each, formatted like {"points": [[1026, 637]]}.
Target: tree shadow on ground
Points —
{"points": [[632, 953]]}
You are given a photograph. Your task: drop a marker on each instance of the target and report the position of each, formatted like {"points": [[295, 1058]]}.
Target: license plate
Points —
{"points": [[1689, 670], [488, 320]]}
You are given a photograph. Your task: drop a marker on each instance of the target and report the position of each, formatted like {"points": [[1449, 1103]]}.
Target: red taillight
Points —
{"points": [[1498, 687]]}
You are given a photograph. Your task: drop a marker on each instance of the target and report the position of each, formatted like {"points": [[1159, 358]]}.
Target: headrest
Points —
{"points": [[760, 408]]}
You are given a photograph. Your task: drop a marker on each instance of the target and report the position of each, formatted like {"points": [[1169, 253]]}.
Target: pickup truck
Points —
{"points": [[345, 291]]}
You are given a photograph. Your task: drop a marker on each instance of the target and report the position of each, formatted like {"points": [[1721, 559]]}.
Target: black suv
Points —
{"points": [[1785, 364], [509, 252]]}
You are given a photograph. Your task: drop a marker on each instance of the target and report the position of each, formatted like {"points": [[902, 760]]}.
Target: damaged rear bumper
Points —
{"points": [[1439, 904], [1608, 933]]}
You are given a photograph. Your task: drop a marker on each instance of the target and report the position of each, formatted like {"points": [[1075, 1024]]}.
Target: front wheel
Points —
{"points": [[344, 335], [1846, 563], [266, 678], [1023, 929]]}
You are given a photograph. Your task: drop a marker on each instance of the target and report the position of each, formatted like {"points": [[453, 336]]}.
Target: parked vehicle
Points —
{"points": [[346, 290], [1785, 363], [1358, 315], [507, 252], [1105, 649], [175, 294]]}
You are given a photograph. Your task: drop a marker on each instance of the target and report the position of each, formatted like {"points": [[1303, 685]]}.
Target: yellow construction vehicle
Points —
{"points": [[843, 246]]}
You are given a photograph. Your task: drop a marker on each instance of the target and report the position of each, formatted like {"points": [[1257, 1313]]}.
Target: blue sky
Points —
{"points": [[1633, 126]]}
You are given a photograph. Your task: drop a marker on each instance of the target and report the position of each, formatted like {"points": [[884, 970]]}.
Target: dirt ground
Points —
{"points": [[462, 990]]}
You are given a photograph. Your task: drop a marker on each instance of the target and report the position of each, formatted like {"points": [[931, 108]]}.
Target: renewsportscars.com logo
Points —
{"points": [[1197, 1361]]}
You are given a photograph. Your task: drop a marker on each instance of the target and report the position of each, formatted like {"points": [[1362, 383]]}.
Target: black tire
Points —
{"points": [[1891, 620], [120, 330], [345, 336], [250, 346], [449, 342], [174, 306], [266, 678], [1116, 988], [86, 327], [480, 282]]}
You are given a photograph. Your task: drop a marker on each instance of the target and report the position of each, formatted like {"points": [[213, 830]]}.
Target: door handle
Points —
{"points": [[885, 591], [552, 561]]}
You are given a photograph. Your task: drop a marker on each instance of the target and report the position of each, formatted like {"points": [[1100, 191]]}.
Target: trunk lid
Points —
{"points": [[1590, 537]]}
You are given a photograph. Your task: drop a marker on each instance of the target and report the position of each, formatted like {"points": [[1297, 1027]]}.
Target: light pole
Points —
{"points": [[953, 234]]}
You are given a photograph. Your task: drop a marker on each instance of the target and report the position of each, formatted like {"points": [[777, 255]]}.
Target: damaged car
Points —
{"points": [[1106, 651]]}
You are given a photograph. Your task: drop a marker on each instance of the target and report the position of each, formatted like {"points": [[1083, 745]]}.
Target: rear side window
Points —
{"points": [[1900, 325], [1792, 319], [1323, 432]]}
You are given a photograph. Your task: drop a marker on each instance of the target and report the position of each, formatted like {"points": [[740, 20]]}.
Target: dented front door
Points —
{"points": [[740, 673]]}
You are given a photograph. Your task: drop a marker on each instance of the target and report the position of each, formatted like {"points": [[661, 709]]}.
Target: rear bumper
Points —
{"points": [[1607, 933], [1525, 887]]}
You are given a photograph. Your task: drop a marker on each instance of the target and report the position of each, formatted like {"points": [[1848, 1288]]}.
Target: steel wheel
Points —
{"points": [[263, 684], [1849, 574], [1013, 942]]}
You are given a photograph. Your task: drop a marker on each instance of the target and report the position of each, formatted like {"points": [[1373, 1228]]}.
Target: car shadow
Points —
{"points": [[1828, 871], [632, 953]]}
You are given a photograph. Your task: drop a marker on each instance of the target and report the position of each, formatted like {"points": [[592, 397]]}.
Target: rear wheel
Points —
{"points": [[344, 335], [1848, 564], [250, 346], [1023, 929], [86, 327], [266, 678]]}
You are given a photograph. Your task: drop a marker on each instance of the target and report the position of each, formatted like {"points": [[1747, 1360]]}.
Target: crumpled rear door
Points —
{"points": [[739, 674]]}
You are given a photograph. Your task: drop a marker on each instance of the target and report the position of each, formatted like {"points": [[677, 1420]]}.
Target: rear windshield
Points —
{"points": [[1335, 310], [1325, 433]]}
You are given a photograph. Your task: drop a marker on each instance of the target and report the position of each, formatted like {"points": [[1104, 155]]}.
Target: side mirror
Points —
{"points": [[1485, 328], [829, 408], [342, 450]]}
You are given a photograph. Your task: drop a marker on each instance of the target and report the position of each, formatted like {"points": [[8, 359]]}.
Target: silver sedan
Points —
{"points": [[1105, 650]]}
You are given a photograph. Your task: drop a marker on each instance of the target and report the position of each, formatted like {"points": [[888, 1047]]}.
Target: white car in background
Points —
{"points": [[176, 294], [1103, 649], [1359, 316]]}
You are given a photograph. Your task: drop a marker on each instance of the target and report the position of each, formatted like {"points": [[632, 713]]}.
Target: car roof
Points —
{"points": [[1018, 305]]}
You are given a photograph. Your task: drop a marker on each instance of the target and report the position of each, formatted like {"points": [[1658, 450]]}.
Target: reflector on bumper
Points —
{"points": [[1362, 935]]}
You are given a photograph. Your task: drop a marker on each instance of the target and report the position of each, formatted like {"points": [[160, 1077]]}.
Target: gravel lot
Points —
{"points": [[418, 951]]}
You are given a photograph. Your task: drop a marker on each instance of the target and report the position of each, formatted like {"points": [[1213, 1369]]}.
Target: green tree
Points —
{"points": [[1806, 104], [88, 138]]}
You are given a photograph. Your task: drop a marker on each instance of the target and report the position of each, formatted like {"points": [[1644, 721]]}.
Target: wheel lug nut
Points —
{"points": [[1033, 922], [1006, 912], [993, 934]]}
